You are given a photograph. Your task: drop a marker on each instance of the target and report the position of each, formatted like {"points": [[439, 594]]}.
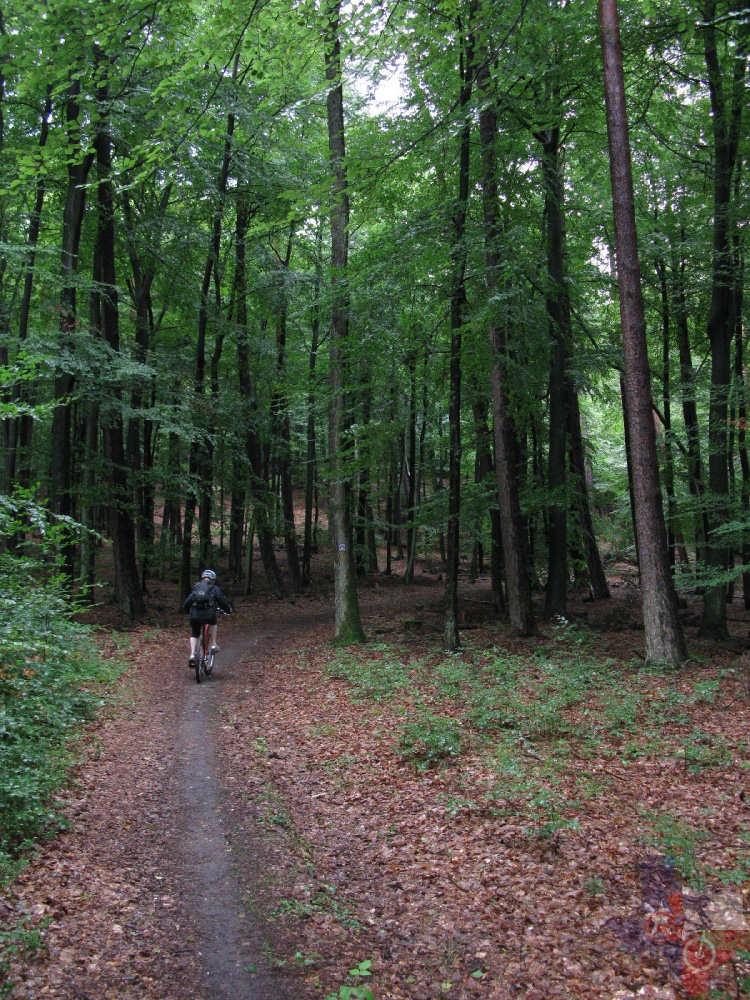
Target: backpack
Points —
{"points": [[203, 596]]}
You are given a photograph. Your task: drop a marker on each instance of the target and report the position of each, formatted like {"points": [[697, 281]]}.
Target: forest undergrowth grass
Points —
{"points": [[542, 723]]}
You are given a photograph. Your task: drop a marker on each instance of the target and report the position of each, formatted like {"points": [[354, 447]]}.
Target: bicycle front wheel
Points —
{"points": [[208, 659]]}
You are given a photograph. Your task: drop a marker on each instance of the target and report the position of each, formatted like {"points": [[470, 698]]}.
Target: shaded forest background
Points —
{"points": [[246, 297]]}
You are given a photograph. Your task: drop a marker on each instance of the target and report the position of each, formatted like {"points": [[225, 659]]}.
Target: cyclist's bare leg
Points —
{"points": [[213, 635]]}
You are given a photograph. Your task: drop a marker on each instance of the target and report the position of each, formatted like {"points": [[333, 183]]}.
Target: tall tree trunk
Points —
{"points": [[26, 423], [170, 539], [248, 584], [458, 306], [665, 642], [310, 464], [281, 425], [515, 541], [186, 564], [558, 311], [367, 558], [741, 384], [727, 121], [257, 482], [668, 450], [9, 423], [398, 489], [127, 580], [348, 621], [411, 482], [88, 495], [207, 532], [201, 461], [484, 470], [61, 471], [140, 432], [237, 518], [596, 576], [690, 410]]}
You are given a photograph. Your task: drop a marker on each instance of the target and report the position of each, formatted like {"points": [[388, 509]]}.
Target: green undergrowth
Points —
{"points": [[543, 721], [560, 690], [51, 683], [21, 941]]}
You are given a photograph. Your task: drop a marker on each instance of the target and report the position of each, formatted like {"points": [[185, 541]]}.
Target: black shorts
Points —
{"points": [[196, 625]]}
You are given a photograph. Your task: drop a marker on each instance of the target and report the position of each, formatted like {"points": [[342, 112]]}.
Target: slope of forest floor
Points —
{"points": [[543, 818]]}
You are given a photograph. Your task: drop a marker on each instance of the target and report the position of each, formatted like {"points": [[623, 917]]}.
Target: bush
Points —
{"points": [[50, 679], [431, 740]]}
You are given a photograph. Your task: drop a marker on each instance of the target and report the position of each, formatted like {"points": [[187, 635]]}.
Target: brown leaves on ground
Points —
{"points": [[514, 868]]}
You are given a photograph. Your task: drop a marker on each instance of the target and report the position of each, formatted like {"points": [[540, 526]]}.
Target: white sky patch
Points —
{"points": [[385, 94]]}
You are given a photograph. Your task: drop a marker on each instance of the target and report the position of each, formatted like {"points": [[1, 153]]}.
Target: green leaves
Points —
{"points": [[355, 992], [51, 682]]}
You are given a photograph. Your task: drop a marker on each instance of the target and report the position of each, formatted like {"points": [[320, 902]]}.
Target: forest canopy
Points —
{"points": [[280, 276]]}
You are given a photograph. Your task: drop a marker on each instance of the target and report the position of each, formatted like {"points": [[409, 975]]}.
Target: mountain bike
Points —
{"points": [[204, 655]]}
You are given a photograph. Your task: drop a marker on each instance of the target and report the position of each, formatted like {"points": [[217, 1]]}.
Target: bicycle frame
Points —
{"points": [[204, 658]]}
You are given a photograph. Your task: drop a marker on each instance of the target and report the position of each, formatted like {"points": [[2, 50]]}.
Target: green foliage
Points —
{"points": [[704, 750], [705, 692], [679, 842], [431, 740], [594, 886], [377, 679], [563, 690], [323, 900], [51, 683], [529, 787], [21, 941], [41, 533], [491, 708], [530, 712], [739, 873], [622, 714], [355, 992]]}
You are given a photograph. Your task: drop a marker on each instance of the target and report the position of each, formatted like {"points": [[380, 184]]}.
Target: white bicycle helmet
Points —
{"points": [[208, 574]]}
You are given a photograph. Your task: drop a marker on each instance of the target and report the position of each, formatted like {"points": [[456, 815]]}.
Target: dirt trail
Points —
{"points": [[231, 944], [148, 893], [229, 947]]}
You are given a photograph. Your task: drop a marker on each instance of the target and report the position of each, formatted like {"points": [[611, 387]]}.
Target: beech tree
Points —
{"points": [[346, 604], [513, 529], [728, 99]]}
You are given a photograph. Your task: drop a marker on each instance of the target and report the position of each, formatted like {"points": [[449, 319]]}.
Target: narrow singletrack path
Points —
{"points": [[148, 893], [230, 945]]}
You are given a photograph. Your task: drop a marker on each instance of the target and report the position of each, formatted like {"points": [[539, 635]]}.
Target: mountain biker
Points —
{"points": [[203, 602]]}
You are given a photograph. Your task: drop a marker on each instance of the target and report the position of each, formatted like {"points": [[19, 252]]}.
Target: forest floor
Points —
{"points": [[521, 819]]}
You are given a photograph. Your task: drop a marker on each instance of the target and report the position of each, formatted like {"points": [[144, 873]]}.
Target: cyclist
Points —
{"points": [[203, 602]]}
